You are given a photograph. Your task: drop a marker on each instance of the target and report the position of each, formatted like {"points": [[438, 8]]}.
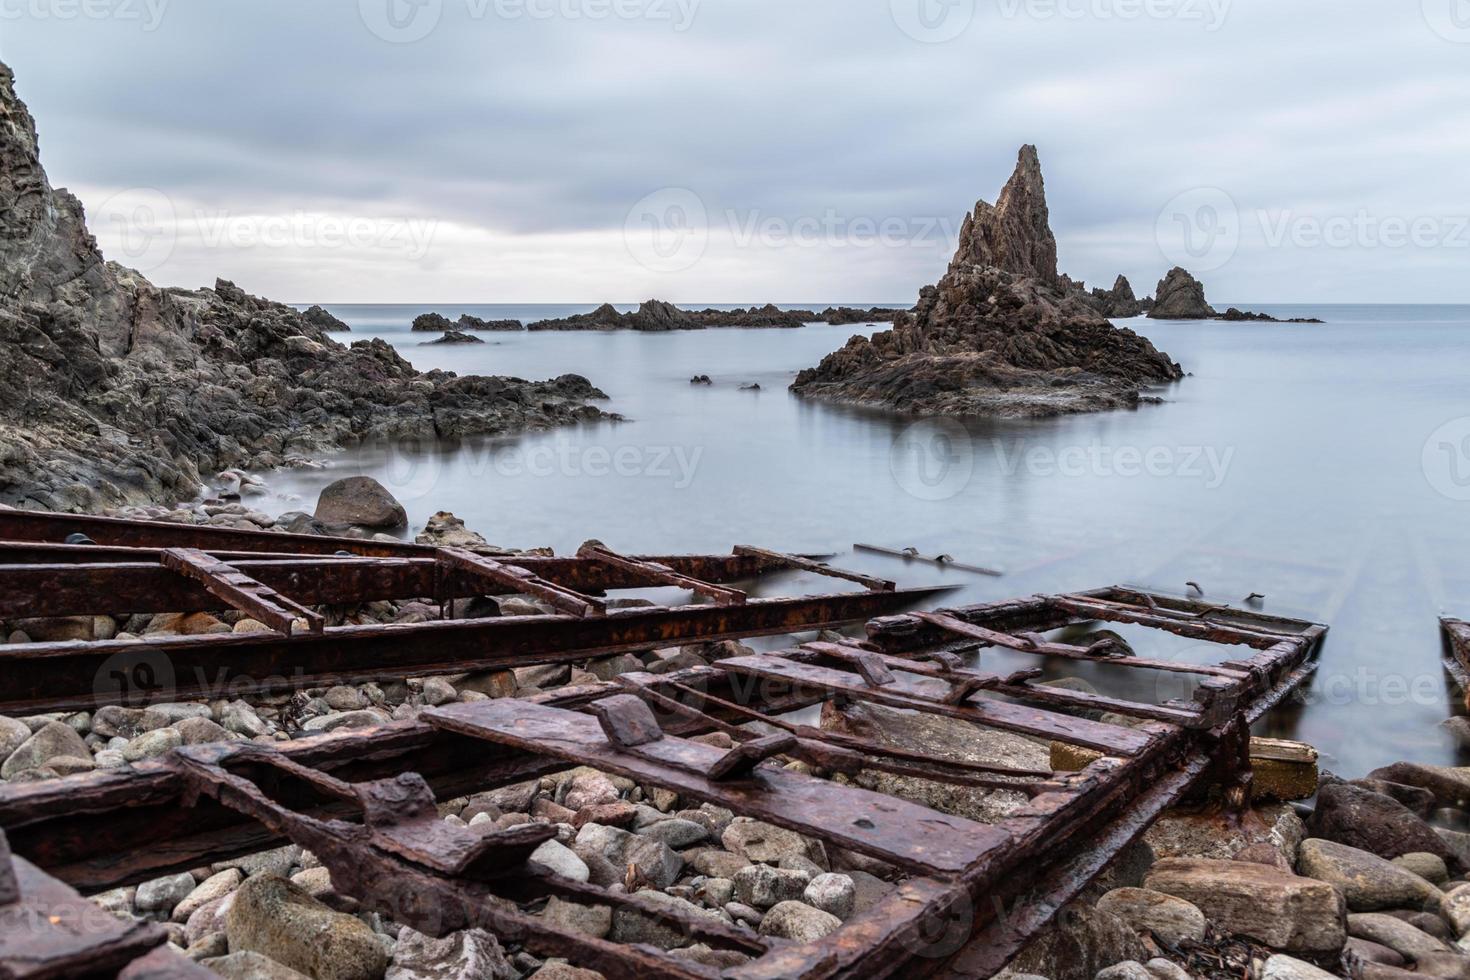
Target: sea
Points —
{"points": [[1325, 467]]}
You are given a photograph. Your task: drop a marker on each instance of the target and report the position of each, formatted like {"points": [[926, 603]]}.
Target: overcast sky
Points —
{"points": [[753, 150]]}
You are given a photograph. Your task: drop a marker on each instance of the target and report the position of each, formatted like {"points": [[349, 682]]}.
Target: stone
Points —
{"points": [[1180, 297], [1372, 822], [368, 718], [561, 860], [13, 734], [1450, 785], [1396, 934], [676, 833], [472, 954], [1171, 919], [562, 970], [316, 882], [870, 889], [275, 918], [715, 892], [766, 843], [344, 697], [589, 789], [1162, 969], [214, 887], [1454, 908], [1280, 967], [1283, 911], [251, 966], [1368, 882], [630, 925], [1182, 833], [491, 683], [619, 814], [438, 691], [201, 731], [50, 741], [833, 893], [163, 894], [590, 920], [798, 921], [113, 721], [158, 716], [1447, 966], [151, 745], [208, 918], [1366, 949], [762, 886], [1127, 970], [241, 718], [654, 860], [1430, 867], [717, 863], [360, 501]]}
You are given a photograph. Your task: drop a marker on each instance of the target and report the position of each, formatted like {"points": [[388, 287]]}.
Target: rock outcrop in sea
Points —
{"points": [[655, 316], [1182, 297], [1000, 334], [115, 391]]}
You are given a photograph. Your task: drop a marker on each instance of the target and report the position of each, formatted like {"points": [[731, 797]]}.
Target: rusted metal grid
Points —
{"points": [[143, 567], [969, 894]]}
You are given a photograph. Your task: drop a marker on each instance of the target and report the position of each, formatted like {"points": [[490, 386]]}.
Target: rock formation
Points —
{"points": [[999, 334], [322, 320], [115, 391], [1118, 303], [656, 316], [841, 315], [432, 323], [1181, 297], [467, 322], [453, 337]]}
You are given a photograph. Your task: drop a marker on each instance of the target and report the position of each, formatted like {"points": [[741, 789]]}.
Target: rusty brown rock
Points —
{"points": [[1281, 910]]}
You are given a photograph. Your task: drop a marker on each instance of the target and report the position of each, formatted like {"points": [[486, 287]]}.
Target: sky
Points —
{"points": [[484, 151]]}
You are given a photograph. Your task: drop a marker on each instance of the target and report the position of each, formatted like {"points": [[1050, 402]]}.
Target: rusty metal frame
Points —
{"points": [[971, 896]]}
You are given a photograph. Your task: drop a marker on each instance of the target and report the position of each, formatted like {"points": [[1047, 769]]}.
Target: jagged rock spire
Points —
{"points": [[1014, 235]]}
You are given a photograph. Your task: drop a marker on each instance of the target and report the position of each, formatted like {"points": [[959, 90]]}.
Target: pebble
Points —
{"points": [[214, 887], [833, 893], [561, 860], [152, 744], [798, 921], [762, 886], [164, 894]]}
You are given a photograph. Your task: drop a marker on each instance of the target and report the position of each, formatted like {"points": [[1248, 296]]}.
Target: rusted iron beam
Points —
{"points": [[1212, 631], [78, 676], [140, 585], [664, 575], [260, 602], [804, 564], [520, 580]]}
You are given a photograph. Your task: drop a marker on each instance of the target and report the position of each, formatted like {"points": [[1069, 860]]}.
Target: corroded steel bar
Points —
{"points": [[804, 564], [1196, 629], [664, 575], [260, 602], [520, 580], [139, 585], [74, 676], [910, 836]]}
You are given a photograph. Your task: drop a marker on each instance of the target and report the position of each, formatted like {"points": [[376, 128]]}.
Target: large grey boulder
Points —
{"points": [[1282, 910], [52, 741], [1171, 919], [361, 501]]}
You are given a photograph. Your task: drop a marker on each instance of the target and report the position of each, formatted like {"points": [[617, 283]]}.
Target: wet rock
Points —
{"points": [[946, 738], [833, 893], [1283, 911], [1366, 880], [251, 966], [762, 886], [1280, 967], [360, 501], [1171, 919], [51, 741], [162, 895], [798, 921], [214, 887], [472, 954], [1372, 822], [1449, 784], [590, 920], [1396, 934], [455, 337], [559, 859], [275, 918], [1420, 801]]}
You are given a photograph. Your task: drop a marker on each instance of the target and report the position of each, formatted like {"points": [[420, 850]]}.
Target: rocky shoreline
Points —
{"points": [[114, 391], [1002, 334]]}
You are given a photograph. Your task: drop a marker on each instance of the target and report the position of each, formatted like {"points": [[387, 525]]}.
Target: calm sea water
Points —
{"points": [[1326, 467]]}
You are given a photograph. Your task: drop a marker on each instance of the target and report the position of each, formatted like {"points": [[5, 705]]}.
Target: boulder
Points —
{"points": [[360, 501], [589, 920], [13, 734], [1449, 784], [798, 921], [631, 925], [271, 916], [832, 893], [1078, 943], [561, 860], [164, 894], [653, 859], [251, 966], [1171, 919], [472, 954], [52, 740], [1395, 933], [1454, 908], [1372, 822], [1430, 867], [762, 886], [1280, 967], [1367, 881], [1283, 911], [1180, 296], [767, 843]]}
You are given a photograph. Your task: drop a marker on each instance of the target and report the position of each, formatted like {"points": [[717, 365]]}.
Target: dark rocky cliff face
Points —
{"points": [[114, 391], [1000, 334]]}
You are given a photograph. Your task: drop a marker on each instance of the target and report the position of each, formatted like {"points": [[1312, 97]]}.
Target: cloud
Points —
{"points": [[525, 131]]}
